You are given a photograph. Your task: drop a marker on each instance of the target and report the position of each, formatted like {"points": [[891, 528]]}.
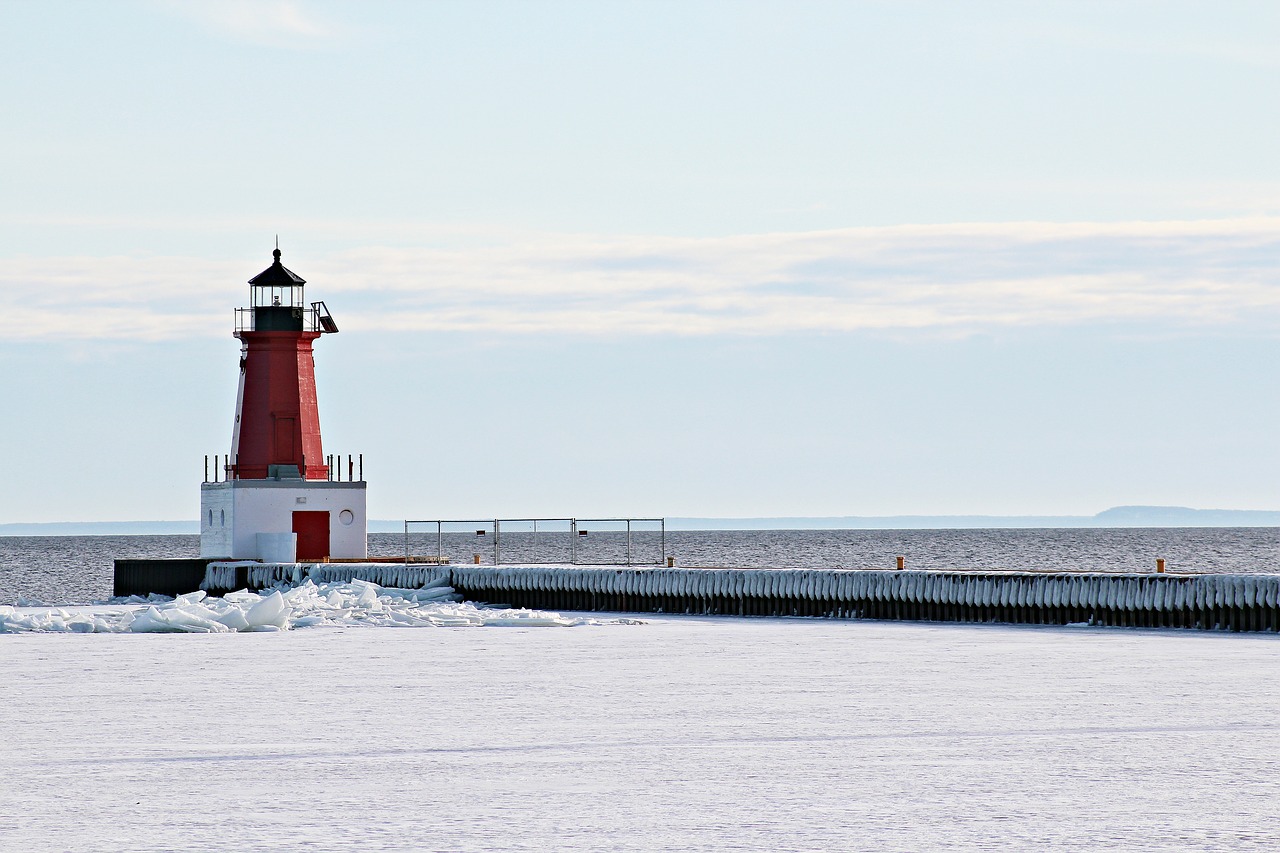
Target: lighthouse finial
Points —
{"points": [[276, 253]]}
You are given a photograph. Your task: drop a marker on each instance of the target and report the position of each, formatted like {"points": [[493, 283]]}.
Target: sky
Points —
{"points": [[655, 258]]}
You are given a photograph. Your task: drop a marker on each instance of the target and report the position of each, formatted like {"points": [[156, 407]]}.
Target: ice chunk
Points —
{"points": [[234, 618], [270, 612]]}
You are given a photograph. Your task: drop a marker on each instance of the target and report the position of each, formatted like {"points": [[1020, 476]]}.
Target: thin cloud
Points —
{"points": [[282, 23], [927, 279], [1152, 36]]}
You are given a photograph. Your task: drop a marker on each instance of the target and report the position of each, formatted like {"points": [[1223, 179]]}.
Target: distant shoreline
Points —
{"points": [[1123, 516]]}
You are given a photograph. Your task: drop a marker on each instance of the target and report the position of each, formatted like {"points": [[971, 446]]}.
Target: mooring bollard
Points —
{"points": [[1159, 564], [902, 563]]}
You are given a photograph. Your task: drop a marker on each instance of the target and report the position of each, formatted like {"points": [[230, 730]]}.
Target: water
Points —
{"points": [[77, 569]]}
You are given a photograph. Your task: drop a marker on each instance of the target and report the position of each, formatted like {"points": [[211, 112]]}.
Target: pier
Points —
{"points": [[1216, 602]]}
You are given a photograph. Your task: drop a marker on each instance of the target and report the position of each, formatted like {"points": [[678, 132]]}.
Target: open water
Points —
{"points": [[78, 569]]}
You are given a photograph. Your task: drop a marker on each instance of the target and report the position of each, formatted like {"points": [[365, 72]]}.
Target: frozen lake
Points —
{"points": [[678, 734]]}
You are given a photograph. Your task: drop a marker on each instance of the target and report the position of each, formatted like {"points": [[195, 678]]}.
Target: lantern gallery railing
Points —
{"points": [[540, 541], [277, 318], [305, 319]]}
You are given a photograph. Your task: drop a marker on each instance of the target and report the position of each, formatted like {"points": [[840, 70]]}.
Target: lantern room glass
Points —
{"points": [[282, 296]]}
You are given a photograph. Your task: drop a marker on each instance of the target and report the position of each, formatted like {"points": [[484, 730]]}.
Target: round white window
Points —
{"points": [[346, 516]]}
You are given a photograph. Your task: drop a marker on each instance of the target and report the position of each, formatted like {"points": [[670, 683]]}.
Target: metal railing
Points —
{"points": [[541, 541], [314, 319], [355, 467], [225, 468], [310, 319]]}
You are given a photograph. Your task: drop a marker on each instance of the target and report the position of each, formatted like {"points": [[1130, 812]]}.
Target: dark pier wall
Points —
{"points": [[162, 577]]}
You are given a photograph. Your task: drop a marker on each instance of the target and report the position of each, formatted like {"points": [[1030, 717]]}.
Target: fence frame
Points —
{"points": [[573, 533]]}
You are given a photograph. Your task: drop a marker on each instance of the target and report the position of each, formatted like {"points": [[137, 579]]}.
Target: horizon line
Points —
{"points": [[1117, 516]]}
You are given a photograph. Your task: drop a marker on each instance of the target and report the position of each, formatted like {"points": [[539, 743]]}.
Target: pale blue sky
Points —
{"points": [[652, 258]]}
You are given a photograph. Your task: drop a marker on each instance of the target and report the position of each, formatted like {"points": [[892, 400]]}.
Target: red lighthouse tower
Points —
{"points": [[280, 502], [277, 428]]}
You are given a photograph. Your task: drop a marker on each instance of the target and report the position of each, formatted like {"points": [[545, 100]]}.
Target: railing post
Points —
{"points": [[438, 550], [362, 467], [573, 541], [497, 557], [628, 541], [406, 541]]}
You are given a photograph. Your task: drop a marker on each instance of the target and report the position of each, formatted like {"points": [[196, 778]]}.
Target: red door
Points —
{"points": [[312, 527]]}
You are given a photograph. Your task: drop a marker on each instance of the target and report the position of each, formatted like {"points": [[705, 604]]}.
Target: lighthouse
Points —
{"points": [[280, 500]]}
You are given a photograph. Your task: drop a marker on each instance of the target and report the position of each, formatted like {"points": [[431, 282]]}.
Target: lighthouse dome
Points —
{"points": [[277, 275]]}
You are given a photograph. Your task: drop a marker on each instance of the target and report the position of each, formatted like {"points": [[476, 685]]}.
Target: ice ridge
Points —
{"points": [[351, 602]]}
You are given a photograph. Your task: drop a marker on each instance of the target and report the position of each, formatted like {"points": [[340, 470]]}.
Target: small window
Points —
{"points": [[222, 515], [346, 516], [211, 518]]}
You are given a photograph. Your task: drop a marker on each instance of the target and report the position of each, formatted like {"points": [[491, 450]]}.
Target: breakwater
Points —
{"points": [[1225, 602]]}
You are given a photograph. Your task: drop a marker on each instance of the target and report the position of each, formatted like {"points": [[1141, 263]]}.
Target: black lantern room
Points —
{"points": [[277, 304]]}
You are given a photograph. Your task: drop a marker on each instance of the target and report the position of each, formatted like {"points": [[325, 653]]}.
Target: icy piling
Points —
{"points": [[1232, 602], [221, 576], [1222, 602]]}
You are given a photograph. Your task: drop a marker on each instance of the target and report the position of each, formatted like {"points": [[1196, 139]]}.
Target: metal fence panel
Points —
{"points": [[539, 541]]}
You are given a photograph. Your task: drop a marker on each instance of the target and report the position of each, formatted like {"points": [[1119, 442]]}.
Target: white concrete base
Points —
{"points": [[233, 513]]}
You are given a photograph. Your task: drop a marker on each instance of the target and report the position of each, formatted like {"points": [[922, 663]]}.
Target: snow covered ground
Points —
{"points": [[675, 734]]}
